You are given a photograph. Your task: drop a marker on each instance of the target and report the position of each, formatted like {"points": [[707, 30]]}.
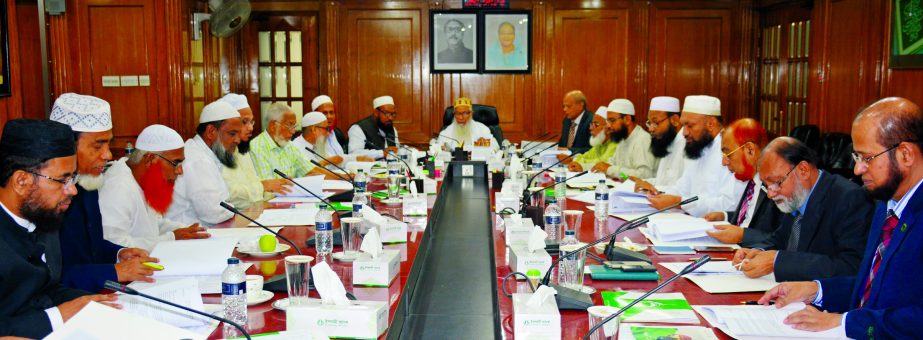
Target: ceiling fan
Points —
{"points": [[226, 18]]}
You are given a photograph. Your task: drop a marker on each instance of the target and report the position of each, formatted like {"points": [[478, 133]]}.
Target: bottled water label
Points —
{"points": [[357, 207], [552, 220], [239, 288], [360, 186], [602, 196], [324, 226]]}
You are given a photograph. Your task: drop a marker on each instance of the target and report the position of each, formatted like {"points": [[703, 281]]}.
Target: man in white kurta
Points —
{"points": [[704, 175], [315, 135], [633, 156], [465, 131], [201, 189], [128, 218], [667, 141]]}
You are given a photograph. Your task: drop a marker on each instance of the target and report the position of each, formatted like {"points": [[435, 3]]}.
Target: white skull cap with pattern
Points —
{"points": [[82, 113]]}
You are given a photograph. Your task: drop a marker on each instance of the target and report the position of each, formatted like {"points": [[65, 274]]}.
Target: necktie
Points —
{"points": [[748, 195], [887, 230], [795, 235], [572, 134]]}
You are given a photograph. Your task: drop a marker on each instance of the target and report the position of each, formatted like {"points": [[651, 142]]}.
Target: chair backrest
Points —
{"points": [[807, 134], [835, 153], [485, 114]]}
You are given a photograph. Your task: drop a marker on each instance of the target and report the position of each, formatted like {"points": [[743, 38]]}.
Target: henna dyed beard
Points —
{"points": [[749, 171], [158, 193]]}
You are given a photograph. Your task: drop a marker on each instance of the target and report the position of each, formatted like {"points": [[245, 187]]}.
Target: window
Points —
{"points": [[783, 85], [281, 72]]}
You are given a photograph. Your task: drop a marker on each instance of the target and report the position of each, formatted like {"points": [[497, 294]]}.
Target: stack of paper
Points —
{"points": [[287, 217], [691, 242], [588, 180], [184, 292], [330, 184], [241, 234], [96, 321], [749, 322], [675, 227], [639, 332], [721, 277], [659, 307], [193, 257]]}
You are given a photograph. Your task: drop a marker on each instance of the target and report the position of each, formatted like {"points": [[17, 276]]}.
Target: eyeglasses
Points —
{"points": [[652, 124], [728, 155], [596, 125], [290, 127], [66, 182], [174, 164], [462, 113], [386, 113], [856, 157], [777, 185]]}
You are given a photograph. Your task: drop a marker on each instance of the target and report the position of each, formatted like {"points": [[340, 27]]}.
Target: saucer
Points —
{"points": [[342, 256], [280, 248], [388, 201], [263, 296]]}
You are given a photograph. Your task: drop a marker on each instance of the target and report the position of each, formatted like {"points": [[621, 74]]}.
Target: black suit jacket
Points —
{"points": [[28, 285], [89, 260], [766, 219], [582, 139], [834, 231], [341, 139]]}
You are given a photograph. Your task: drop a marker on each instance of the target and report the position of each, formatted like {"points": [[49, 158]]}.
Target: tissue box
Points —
{"points": [[543, 322], [517, 234], [480, 153], [507, 201], [393, 231], [429, 186], [378, 272], [358, 320], [414, 205], [388, 295], [521, 260]]}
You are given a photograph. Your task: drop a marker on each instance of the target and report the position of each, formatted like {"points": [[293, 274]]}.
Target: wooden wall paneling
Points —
{"points": [[690, 54], [535, 124], [328, 58], [744, 68], [25, 16], [11, 107], [382, 49], [171, 76], [63, 51], [907, 83]]}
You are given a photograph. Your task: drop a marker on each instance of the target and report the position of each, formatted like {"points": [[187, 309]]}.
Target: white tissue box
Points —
{"points": [[393, 231], [518, 234], [388, 295], [507, 201], [522, 260], [377, 272], [414, 205], [543, 322], [429, 186], [358, 320], [480, 153]]}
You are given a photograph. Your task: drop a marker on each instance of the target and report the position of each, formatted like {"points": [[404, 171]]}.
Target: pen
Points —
{"points": [[153, 265], [713, 259], [755, 302]]}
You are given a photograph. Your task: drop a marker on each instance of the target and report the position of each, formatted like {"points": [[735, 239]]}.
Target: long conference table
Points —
{"points": [[442, 289]]}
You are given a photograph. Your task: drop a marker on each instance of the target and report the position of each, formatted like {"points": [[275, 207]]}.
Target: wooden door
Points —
{"points": [[784, 52]]}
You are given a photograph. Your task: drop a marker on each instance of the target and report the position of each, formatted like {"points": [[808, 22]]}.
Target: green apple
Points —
{"points": [[268, 243]]}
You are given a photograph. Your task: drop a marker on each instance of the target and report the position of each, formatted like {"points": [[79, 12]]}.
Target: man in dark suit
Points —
{"points": [[884, 300], [825, 223], [38, 173], [575, 129], [89, 260], [756, 216]]}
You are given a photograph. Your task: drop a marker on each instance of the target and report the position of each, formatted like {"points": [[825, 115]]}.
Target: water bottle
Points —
{"points": [[553, 220], [234, 293], [359, 200], [601, 210], [360, 182], [560, 188], [394, 166], [129, 149], [323, 226]]}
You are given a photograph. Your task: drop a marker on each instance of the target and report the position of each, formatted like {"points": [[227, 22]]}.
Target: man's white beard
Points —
{"points": [[91, 183], [598, 139], [282, 142], [463, 132], [320, 146]]}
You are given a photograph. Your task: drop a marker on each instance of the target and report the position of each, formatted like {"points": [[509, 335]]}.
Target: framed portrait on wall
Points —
{"points": [[5, 81], [453, 41], [507, 38], [906, 34]]}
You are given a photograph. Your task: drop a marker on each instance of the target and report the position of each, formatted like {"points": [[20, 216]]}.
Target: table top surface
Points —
{"points": [[263, 318]]}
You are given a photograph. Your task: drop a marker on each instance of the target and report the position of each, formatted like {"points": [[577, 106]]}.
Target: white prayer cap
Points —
{"points": [[703, 105], [82, 113], [217, 111], [383, 100], [623, 106], [601, 111], [666, 104], [237, 101], [312, 118], [156, 138], [320, 100]]}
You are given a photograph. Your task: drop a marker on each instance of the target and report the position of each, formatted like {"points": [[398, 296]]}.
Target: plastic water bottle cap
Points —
{"points": [[322, 206], [533, 273], [233, 260]]}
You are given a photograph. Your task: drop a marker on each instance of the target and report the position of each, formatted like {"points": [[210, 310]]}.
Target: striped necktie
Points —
{"points": [[748, 195], [887, 230], [572, 134], [795, 236]]}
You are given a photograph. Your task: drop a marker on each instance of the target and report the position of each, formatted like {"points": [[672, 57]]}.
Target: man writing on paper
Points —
{"points": [[315, 136], [575, 129], [244, 186], [703, 175], [667, 141], [375, 135], [756, 216], [201, 188], [38, 176], [465, 131], [88, 259], [138, 190], [633, 156], [601, 147], [825, 223]]}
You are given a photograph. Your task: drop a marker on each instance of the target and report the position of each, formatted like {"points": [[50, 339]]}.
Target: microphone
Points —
{"points": [[540, 136], [529, 195], [547, 168], [546, 148], [690, 268], [539, 143], [131, 291], [283, 175], [329, 162], [449, 138], [573, 299], [612, 253]]}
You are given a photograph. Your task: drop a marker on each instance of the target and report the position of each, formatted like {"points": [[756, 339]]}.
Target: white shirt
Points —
{"points": [[477, 131], [301, 143], [707, 178], [357, 142], [54, 315], [671, 166], [201, 188], [127, 218], [633, 156]]}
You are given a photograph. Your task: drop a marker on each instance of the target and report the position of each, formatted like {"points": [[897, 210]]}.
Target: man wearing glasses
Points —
{"points": [[667, 141], [375, 135], [138, 190], [825, 223], [633, 157], [465, 131]]}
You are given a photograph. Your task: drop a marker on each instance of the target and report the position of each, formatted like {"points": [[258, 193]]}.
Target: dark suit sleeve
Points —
{"points": [[849, 240], [888, 323], [32, 324], [111, 250], [755, 238], [837, 293], [89, 277]]}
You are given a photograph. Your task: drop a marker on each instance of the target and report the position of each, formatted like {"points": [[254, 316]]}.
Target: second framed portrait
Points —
{"points": [[507, 38], [453, 41]]}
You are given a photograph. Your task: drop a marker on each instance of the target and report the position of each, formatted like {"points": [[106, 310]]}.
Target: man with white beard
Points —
{"points": [[315, 135], [601, 147], [465, 131], [88, 259], [273, 148], [138, 190]]}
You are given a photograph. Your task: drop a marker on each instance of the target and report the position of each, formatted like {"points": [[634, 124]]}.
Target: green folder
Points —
{"points": [[600, 272], [384, 194], [340, 206]]}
